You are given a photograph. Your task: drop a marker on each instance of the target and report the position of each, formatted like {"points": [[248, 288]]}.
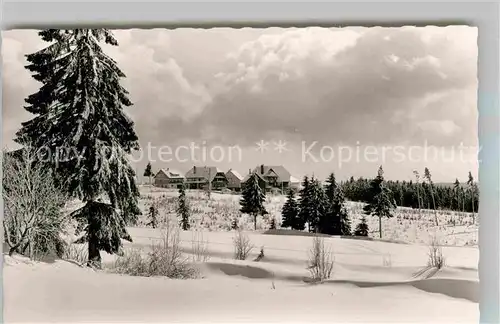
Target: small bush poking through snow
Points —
{"points": [[436, 258], [260, 256], [320, 263], [200, 247], [242, 246], [234, 224], [165, 258], [387, 260], [77, 253], [132, 263]]}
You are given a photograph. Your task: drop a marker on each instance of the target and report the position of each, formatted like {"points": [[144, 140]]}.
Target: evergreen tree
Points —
{"points": [[234, 224], [362, 228], [331, 187], [472, 191], [382, 202], [331, 222], [401, 195], [183, 209], [317, 205], [304, 202], [153, 216], [419, 194], [290, 212], [83, 134], [336, 220], [341, 211], [148, 172], [252, 201]]}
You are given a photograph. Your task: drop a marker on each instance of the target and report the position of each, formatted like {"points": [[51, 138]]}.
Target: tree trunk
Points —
{"points": [[94, 254], [13, 249], [380, 226], [435, 210], [255, 222], [463, 205], [472, 203], [418, 200]]}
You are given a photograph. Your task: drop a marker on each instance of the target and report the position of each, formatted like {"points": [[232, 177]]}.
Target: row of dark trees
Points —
{"points": [[323, 209], [422, 193]]}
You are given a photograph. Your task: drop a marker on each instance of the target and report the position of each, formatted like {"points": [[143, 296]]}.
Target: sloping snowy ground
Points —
{"points": [[372, 282]]}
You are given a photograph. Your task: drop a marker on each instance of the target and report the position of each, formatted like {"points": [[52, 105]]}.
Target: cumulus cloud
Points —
{"points": [[376, 85], [381, 86]]}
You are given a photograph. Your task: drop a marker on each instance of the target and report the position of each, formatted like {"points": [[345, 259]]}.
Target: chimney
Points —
{"points": [[194, 170], [262, 169], [249, 171]]}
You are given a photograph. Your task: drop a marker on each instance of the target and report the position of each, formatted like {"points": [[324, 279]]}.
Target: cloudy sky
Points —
{"points": [[369, 96]]}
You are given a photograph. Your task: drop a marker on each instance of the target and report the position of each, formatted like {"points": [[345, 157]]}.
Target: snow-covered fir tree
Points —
{"points": [[234, 224], [336, 220], [153, 216], [473, 190], [183, 209], [252, 201], [81, 126], [290, 213], [317, 205], [331, 187], [341, 210], [330, 224], [382, 202], [304, 202], [362, 228], [148, 172]]}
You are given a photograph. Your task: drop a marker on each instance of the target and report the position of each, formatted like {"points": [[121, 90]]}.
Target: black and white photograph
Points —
{"points": [[301, 174]]}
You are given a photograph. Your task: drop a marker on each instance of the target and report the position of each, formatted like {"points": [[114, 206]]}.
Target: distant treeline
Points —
{"points": [[456, 197]]}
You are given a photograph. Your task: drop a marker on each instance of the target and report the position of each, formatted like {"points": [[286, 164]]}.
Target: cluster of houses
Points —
{"points": [[270, 178]]}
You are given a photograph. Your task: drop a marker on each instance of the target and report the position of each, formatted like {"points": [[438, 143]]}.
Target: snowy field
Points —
{"points": [[372, 281], [408, 225]]}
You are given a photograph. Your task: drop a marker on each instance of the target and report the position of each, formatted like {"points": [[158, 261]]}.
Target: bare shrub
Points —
{"points": [[260, 256], [387, 260], [242, 246], [77, 253], [320, 264], [435, 254], [164, 259], [200, 247], [132, 263], [33, 220]]}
